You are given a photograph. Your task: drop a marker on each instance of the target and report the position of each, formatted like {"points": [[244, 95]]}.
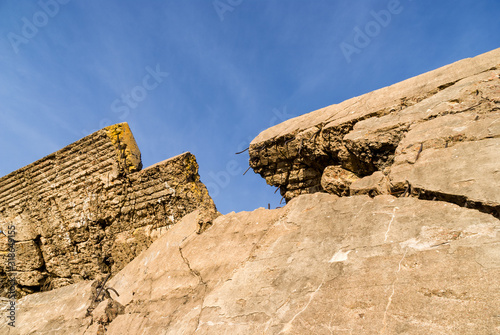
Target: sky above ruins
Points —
{"points": [[208, 76]]}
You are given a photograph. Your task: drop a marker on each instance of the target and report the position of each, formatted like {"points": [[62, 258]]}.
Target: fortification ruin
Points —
{"points": [[391, 225], [90, 208]]}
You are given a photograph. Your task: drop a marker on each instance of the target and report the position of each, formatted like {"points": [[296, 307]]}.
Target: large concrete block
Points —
{"points": [[69, 207]]}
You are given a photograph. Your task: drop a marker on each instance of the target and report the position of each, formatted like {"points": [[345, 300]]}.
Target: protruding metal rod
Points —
{"points": [[242, 151]]}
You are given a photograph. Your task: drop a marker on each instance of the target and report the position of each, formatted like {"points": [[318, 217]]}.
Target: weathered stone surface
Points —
{"points": [[337, 180], [448, 149], [89, 209], [320, 265], [452, 134], [57, 311], [466, 173], [456, 103]]}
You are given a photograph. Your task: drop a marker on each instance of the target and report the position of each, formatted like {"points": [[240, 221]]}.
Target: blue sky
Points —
{"points": [[208, 76]]}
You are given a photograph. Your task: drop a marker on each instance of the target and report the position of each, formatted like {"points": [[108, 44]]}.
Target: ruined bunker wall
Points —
{"points": [[388, 136], [89, 209]]}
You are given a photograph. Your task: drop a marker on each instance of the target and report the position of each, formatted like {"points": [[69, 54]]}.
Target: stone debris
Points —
{"points": [[337, 180], [375, 184]]}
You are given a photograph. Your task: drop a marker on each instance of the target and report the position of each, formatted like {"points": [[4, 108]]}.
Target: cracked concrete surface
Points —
{"points": [[247, 274], [389, 300], [202, 283]]}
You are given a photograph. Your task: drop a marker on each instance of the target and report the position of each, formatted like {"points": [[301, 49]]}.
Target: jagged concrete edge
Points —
{"points": [[132, 150], [301, 122]]}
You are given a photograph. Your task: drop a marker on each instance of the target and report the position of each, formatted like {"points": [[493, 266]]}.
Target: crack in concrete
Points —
{"points": [[288, 325], [389, 301], [201, 282], [390, 223], [463, 201], [88, 326]]}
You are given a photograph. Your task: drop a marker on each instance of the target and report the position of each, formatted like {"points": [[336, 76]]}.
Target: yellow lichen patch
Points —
{"points": [[194, 187], [191, 166], [126, 148], [190, 171]]}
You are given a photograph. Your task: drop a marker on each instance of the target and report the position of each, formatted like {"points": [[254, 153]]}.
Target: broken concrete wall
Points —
{"points": [[435, 136], [320, 265], [89, 209]]}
